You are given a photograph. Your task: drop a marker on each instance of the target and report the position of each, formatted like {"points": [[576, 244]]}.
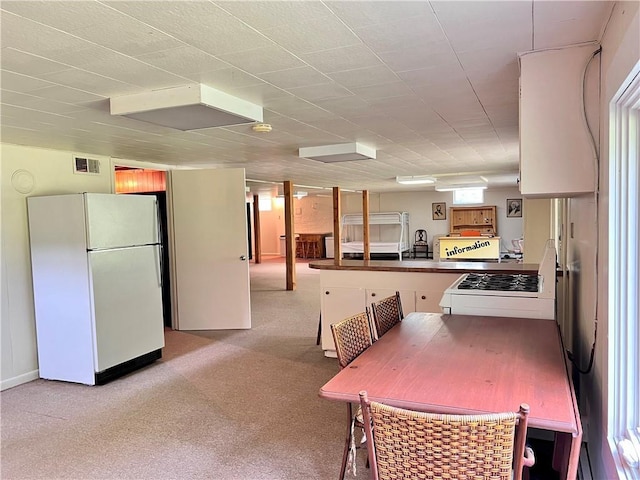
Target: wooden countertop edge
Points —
{"points": [[534, 422], [425, 266]]}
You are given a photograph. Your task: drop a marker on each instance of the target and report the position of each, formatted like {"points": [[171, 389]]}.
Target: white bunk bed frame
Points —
{"points": [[384, 218]]}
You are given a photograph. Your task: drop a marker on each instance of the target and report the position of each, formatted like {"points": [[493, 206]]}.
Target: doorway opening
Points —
{"points": [[142, 181]]}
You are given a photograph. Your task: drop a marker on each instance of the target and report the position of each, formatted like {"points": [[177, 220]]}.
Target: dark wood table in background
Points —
{"points": [[463, 364]]}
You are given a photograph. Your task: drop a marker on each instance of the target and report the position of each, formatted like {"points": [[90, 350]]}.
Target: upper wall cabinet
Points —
{"points": [[556, 154]]}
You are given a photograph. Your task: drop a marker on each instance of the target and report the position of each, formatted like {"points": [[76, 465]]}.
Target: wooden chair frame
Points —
{"points": [[351, 336]]}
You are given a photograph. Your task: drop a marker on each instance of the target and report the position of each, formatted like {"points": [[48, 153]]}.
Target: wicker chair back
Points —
{"points": [[417, 445], [352, 336], [386, 313]]}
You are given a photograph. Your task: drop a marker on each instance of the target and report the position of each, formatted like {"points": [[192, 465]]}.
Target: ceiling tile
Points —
{"points": [[329, 33], [269, 58], [225, 78], [63, 15], [127, 35], [21, 83], [265, 15], [60, 93], [27, 64], [364, 77], [186, 21], [395, 35], [342, 58], [362, 14], [183, 60], [296, 77], [88, 82], [318, 93]]}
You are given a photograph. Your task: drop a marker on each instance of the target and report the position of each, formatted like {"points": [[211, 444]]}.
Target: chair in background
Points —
{"points": [[352, 336], [301, 248], [420, 243], [386, 313], [404, 443]]}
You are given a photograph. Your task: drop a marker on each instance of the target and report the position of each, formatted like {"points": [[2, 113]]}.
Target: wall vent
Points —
{"points": [[86, 165]]}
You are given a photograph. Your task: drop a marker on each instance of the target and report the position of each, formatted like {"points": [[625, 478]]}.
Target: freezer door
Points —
{"points": [[127, 304], [120, 220]]}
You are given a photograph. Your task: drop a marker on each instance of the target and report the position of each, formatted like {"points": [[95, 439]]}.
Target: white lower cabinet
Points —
{"points": [[336, 304], [407, 298], [428, 301], [348, 292]]}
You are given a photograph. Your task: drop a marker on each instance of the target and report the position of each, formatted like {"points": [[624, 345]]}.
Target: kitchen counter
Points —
{"points": [[350, 286], [425, 266]]}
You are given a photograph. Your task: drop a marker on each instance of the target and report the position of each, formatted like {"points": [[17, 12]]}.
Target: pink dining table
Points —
{"points": [[466, 364]]}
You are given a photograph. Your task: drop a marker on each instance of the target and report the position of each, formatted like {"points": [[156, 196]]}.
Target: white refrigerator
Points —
{"points": [[96, 285]]}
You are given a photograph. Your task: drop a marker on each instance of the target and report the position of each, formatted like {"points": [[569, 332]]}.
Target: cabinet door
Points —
{"points": [[407, 298], [338, 303], [428, 301]]}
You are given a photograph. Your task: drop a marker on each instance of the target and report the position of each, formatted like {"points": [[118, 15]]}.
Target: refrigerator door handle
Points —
{"points": [[160, 246], [160, 263], [159, 222]]}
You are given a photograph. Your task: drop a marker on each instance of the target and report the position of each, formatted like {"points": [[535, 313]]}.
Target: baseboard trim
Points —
{"points": [[19, 380]]}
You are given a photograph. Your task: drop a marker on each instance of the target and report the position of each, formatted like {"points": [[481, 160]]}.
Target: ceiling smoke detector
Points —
{"points": [[262, 128]]}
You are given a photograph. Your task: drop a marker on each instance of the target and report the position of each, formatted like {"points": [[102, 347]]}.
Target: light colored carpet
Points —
{"points": [[219, 405]]}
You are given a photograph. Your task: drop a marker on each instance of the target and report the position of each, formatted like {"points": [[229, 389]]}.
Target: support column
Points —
{"points": [[337, 230], [289, 234], [366, 255]]}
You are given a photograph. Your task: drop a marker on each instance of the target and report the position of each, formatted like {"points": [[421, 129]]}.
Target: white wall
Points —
{"points": [[52, 173], [620, 53], [313, 214]]}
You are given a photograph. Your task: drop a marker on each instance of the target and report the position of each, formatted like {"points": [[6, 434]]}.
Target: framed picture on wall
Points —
{"points": [[514, 207], [439, 211]]}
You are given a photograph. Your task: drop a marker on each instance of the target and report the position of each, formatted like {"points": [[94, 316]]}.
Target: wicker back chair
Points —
{"points": [[386, 313], [404, 444], [352, 336]]}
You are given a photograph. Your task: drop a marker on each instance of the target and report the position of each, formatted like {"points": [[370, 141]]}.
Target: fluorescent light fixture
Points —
{"points": [[343, 152], [451, 188], [297, 195], [415, 180], [188, 107]]}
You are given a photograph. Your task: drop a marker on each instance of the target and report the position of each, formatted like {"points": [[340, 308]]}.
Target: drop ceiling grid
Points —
{"points": [[380, 70]]}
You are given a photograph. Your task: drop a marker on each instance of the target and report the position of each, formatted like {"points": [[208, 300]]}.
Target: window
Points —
{"points": [[466, 196], [264, 203], [624, 271]]}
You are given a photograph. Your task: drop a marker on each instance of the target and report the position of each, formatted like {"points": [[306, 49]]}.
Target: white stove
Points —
{"points": [[506, 295]]}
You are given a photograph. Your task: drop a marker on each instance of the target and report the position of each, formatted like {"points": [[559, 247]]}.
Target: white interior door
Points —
{"points": [[208, 226]]}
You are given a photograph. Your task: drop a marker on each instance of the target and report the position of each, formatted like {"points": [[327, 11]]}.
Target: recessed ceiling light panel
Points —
{"points": [[189, 107], [415, 180], [343, 152]]}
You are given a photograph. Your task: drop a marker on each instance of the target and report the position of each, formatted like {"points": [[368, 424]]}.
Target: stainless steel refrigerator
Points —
{"points": [[96, 284]]}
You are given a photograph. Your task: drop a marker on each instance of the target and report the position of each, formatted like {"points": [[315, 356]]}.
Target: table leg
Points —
{"points": [[347, 442], [566, 455]]}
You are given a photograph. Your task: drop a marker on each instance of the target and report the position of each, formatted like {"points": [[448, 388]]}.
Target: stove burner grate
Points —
{"points": [[501, 282]]}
